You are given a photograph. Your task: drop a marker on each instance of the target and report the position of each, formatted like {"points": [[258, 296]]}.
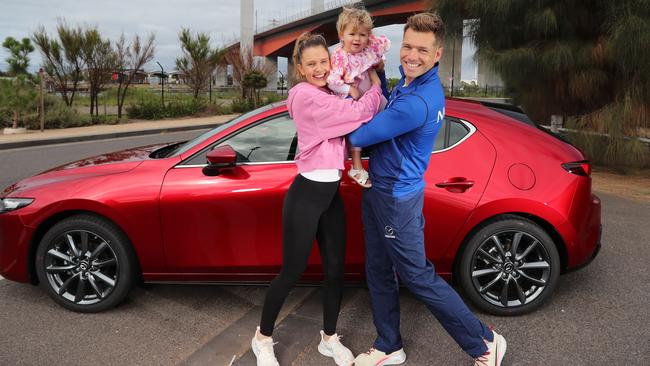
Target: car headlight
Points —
{"points": [[11, 204]]}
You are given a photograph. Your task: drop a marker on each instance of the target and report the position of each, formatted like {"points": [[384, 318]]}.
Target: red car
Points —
{"points": [[509, 207]]}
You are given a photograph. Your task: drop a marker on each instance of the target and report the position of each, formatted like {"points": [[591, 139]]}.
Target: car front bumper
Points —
{"points": [[14, 247]]}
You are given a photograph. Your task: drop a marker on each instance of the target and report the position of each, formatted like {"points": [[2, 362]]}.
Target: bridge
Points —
{"points": [[277, 40]]}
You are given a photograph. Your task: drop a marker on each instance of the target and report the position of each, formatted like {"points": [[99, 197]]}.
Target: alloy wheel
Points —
{"points": [[510, 268], [81, 267]]}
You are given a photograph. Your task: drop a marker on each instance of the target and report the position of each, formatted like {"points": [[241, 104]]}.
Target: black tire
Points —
{"points": [[529, 276], [94, 273]]}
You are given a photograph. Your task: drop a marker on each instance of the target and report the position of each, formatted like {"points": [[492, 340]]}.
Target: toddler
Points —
{"points": [[357, 52]]}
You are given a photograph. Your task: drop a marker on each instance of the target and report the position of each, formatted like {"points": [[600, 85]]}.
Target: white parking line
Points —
{"points": [[1, 278]]}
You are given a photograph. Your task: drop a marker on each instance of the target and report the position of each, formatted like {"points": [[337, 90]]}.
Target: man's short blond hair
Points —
{"points": [[354, 17], [427, 22]]}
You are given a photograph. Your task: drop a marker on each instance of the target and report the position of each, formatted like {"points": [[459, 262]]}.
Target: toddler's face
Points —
{"points": [[354, 39]]}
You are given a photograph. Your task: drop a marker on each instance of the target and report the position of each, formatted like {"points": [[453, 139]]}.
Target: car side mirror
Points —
{"points": [[221, 157]]}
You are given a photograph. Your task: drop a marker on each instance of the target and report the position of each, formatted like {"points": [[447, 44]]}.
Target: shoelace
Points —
{"points": [[266, 348], [337, 347]]}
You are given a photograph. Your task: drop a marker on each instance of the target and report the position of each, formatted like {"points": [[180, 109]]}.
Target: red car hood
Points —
{"points": [[111, 163]]}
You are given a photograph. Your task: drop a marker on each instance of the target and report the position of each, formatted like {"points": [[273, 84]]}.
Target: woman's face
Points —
{"points": [[315, 65]]}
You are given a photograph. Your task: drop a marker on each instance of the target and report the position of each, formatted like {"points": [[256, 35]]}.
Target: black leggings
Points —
{"points": [[312, 210]]}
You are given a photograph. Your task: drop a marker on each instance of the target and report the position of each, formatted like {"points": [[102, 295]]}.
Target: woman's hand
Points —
{"points": [[354, 92], [374, 79]]}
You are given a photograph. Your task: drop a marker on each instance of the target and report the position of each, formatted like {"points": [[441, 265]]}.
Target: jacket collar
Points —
{"points": [[431, 74]]}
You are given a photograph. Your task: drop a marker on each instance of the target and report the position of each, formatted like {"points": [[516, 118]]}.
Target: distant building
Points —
{"points": [[141, 77]]}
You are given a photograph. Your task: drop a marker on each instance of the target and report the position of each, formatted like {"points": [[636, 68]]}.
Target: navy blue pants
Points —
{"points": [[394, 235]]}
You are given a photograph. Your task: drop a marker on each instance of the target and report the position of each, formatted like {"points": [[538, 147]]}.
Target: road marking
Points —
{"points": [[235, 340], [296, 331], [1, 278]]}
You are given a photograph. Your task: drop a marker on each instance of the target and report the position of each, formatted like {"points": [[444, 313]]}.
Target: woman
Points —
{"points": [[312, 207]]}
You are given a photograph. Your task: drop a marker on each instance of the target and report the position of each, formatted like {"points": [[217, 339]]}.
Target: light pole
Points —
{"points": [[162, 84], [281, 82]]}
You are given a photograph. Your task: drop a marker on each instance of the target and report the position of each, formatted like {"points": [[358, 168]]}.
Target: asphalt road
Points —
{"points": [[598, 315]]}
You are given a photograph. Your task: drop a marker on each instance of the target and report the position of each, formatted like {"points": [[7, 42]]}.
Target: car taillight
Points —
{"points": [[582, 167]]}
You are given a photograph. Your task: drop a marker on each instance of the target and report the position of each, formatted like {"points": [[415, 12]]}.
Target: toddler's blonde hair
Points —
{"points": [[353, 17]]}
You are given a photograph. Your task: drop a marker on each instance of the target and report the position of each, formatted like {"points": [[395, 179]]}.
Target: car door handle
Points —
{"points": [[456, 185]]}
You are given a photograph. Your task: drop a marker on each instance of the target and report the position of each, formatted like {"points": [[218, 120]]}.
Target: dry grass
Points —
{"points": [[634, 186]]}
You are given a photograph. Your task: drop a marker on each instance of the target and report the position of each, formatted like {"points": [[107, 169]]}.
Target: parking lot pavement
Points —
{"points": [[597, 316]]}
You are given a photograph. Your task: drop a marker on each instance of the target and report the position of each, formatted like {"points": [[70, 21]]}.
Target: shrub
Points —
{"points": [[152, 109], [242, 105]]}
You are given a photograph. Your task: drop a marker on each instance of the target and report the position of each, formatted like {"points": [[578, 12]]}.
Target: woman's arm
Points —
{"points": [[336, 117]]}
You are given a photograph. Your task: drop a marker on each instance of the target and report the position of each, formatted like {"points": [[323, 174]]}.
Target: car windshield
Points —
{"points": [[182, 147]]}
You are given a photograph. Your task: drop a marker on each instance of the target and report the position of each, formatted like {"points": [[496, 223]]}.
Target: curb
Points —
{"points": [[105, 136]]}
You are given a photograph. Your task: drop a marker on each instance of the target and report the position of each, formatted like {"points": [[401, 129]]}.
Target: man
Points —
{"points": [[403, 136]]}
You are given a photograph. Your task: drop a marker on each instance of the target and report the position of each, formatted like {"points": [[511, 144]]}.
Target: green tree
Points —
{"points": [[244, 66], [100, 60], [18, 96], [130, 59], [62, 58], [582, 59], [254, 81], [19, 59], [199, 60]]}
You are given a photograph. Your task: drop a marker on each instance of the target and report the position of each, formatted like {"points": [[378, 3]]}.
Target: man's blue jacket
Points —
{"points": [[403, 134]]}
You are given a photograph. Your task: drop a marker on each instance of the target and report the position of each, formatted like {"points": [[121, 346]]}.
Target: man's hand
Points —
{"points": [[354, 92], [379, 66]]}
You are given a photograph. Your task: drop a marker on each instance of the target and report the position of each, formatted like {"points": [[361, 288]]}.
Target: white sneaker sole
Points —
{"points": [[395, 359], [501, 348], [323, 350], [256, 351]]}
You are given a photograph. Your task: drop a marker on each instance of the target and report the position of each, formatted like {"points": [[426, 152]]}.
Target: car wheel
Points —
{"points": [[509, 267], [85, 263]]}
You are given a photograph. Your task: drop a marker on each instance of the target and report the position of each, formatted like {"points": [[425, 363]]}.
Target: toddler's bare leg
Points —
{"points": [[356, 158]]}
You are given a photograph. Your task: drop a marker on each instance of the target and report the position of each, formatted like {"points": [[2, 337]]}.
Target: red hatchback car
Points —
{"points": [[509, 207]]}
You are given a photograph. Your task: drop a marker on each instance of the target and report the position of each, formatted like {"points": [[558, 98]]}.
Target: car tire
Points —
{"points": [[515, 279], [85, 263]]}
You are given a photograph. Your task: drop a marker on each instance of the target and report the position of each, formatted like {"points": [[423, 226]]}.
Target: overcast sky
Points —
{"points": [[218, 18]]}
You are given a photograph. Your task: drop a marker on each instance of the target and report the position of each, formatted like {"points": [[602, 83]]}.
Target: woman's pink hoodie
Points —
{"points": [[323, 119]]}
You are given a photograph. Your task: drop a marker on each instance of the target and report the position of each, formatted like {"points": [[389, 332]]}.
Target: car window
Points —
{"points": [[451, 132], [439, 143], [271, 140], [456, 132]]}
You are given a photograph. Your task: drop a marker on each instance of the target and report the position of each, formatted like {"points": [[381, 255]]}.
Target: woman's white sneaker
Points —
{"points": [[378, 358], [334, 348], [263, 350]]}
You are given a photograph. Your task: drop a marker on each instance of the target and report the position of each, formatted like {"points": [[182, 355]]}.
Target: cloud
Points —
{"points": [[220, 19]]}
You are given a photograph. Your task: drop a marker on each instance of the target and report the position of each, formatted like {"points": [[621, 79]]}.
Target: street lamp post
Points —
{"points": [[281, 82], [162, 84]]}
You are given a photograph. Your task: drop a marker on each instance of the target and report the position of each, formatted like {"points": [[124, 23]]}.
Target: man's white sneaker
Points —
{"points": [[334, 348], [263, 350], [494, 355], [378, 358]]}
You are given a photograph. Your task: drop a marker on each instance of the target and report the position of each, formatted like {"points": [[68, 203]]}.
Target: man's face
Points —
{"points": [[418, 54]]}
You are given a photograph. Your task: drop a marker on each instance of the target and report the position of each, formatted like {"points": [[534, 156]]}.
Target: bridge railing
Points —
{"points": [[329, 5]]}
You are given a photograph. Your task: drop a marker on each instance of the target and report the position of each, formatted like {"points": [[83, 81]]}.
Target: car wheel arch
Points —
{"points": [[560, 245], [49, 222]]}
